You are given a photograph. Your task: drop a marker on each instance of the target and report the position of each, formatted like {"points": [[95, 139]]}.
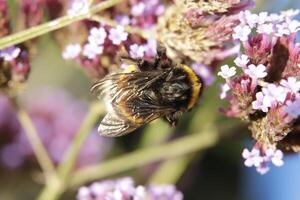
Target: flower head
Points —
{"points": [[266, 92]]}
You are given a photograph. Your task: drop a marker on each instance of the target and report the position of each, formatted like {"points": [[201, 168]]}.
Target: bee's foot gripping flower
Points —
{"points": [[266, 92], [124, 188]]}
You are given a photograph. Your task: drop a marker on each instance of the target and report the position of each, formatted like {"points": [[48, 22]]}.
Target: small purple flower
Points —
{"points": [[275, 93], [150, 48], [137, 51], [262, 102], [71, 51], [117, 35], [224, 89], [293, 108], [256, 72], [241, 33], [138, 9], [204, 72], [252, 158], [123, 20], [275, 156], [167, 192], [78, 7], [250, 18], [242, 61], [291, 13], [266, 28], [97, 36], [294, 26], [291, 84], [92, 50], [227, 72], [10, 53]]}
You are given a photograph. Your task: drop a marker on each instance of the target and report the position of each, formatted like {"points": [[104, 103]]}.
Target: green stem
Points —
{"points": [[52, 192], [142, 157], [171, 170], [37, 146], [130, 29], [53, 25], [65, 168]]}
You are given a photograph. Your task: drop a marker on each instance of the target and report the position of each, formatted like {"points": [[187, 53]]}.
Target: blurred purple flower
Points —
{"points": [[124, 189], [71, 51], [92, 50], [117, 35], [205, 73], [78, 7], [137, 51], [57, 117], [10, 53]]}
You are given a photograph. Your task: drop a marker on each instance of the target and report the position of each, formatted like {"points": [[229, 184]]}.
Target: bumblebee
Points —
{"points": [[145, 91]]}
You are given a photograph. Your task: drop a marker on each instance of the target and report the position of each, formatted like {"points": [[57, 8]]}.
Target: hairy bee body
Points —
{"points": [[144, 92]]}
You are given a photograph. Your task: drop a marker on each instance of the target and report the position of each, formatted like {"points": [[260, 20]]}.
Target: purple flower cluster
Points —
{"points": [[14, 61], [260, 158], [124, 189], [98, 52], [266, 92], [56, 117]]}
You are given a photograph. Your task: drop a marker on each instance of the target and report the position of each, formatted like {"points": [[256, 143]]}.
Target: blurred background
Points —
{"points": [[216, 173]]}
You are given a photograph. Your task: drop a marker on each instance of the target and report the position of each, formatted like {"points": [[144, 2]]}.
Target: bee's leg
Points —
{"points": [[161, 60], [172, 118], [145, 65]]}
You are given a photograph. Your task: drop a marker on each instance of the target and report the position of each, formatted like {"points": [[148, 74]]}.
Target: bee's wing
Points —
{"points": [[115, 86], [114, 126], [133, 91]]}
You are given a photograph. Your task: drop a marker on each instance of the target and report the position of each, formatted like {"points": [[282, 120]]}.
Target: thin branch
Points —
{"points": [[130, 29], [52, 192], [65, 168], [36, 144], [179, 147], [53, 25]]}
